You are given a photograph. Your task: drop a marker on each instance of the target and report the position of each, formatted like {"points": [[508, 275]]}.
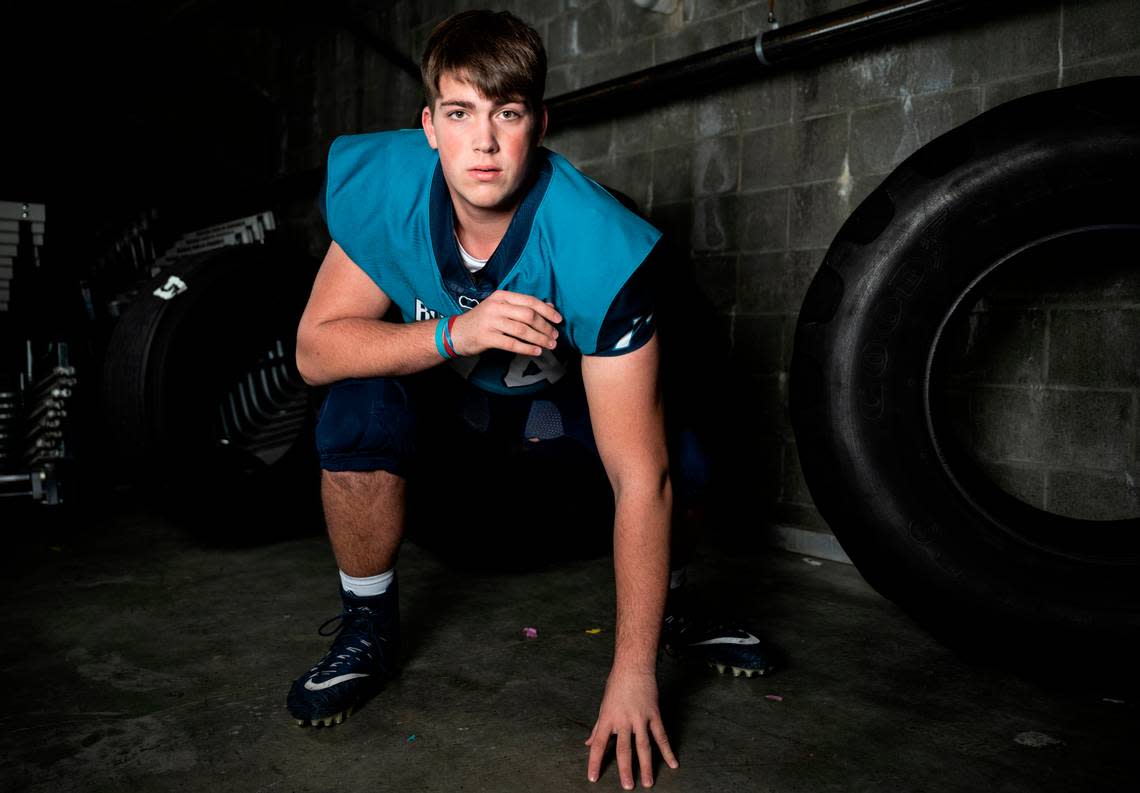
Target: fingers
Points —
{"points": [[524, 322], [528, 333], [530, 318], [597, 750], [644, 758], [508, 321], [527, 301], [501, 341], [624, 760], [658, 730], [627, 740]]}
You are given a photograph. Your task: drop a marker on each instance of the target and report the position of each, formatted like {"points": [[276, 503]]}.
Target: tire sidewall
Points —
{"points": [[860, 375]]}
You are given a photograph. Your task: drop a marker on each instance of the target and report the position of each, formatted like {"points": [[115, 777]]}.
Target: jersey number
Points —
{"points": [[528, 370]]}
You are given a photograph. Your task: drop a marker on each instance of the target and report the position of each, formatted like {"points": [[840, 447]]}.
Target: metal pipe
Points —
{"points": [[812, 39]]}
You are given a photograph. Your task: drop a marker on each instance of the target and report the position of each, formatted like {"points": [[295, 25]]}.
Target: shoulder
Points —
{"points": [[589, 222], [594, 245], [361, 155], [575, 193], [371, 177]]}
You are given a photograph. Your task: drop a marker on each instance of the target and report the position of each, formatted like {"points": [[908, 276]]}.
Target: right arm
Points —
{"points": [[342, 335]]}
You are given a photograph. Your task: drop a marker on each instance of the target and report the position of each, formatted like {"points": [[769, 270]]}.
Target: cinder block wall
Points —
{"points": [[755, 180], [1049, 371]]}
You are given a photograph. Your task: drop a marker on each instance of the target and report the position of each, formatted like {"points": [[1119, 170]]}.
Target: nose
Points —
{"points": [[485, 141]]}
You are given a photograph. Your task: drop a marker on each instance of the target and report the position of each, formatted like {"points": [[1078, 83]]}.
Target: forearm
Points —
{"points": [[641, 571], [360, 347]]}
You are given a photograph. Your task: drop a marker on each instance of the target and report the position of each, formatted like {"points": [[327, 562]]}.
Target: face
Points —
{"points": [[486, 147]]}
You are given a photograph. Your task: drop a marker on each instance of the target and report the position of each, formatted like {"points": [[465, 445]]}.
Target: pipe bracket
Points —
{"points": [[759, 47]]}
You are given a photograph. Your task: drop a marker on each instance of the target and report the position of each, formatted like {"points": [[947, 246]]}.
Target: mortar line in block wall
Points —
{"points": [[782, 496], [788, 217], [1026, 465], [1107, 304], [781, 249], [1061, 47], [878, 104], [758, 314], [1058, 387], [1136, 426], [845, 170], [652, 181], [809, 183], [739, 160], [735, 308], [1002, 80], [782, 375]]}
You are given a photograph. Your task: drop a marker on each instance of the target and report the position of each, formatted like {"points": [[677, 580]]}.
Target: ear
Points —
{"points": [[543, 120], [429, 127]]}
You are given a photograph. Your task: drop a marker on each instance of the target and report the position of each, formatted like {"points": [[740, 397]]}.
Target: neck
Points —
{"points": [[480, 230]]}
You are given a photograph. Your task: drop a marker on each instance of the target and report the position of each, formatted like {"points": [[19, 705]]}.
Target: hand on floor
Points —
{"points": [[629, 711]]}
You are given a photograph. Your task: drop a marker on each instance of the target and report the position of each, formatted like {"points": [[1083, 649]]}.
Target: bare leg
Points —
{"points": [[364, 511]]}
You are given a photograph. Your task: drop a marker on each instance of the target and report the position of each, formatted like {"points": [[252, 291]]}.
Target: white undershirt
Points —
{"points": [[472, 264]]}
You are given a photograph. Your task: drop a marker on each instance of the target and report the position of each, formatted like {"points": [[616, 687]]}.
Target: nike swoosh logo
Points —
{"points": [[332, 681], [729, 640]]}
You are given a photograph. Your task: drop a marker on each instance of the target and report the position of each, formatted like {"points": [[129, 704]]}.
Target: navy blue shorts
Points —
{"points": [[385, 423]]}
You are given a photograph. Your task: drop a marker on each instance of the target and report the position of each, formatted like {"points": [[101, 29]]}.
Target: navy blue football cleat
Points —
{"points": [[688, 635], [361, 657]]}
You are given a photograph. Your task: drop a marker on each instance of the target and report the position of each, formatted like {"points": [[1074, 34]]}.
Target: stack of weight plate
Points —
{"points": [[44, 427], [242, 231], [13, 214], [10, 408], [21, 241], [14, 477]]}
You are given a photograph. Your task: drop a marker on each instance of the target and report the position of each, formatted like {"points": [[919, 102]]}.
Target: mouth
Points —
{"points": [[484, 174]]}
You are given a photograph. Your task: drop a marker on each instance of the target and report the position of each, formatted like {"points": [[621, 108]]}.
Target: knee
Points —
{"points": [[366, 425]]}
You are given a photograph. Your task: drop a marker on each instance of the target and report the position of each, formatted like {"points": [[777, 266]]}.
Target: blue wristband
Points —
{"points": [[440, 345]]}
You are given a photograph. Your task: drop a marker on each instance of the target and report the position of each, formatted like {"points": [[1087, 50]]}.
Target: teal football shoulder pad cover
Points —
{"points": [[376, 184], [582, 247], [594, 244]]}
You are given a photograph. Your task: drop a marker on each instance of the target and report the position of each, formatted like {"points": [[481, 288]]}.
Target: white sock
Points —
{"points": [[368, 586], [677, 579]]}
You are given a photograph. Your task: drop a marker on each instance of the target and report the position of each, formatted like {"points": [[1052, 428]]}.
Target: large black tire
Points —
{"points": [[173, 365], [990, 575]]}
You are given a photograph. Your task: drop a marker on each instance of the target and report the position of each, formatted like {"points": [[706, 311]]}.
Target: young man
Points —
{"points": [[533, 284]]}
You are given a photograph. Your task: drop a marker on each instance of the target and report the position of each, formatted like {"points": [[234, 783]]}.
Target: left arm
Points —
{"points": [[627, 416]]}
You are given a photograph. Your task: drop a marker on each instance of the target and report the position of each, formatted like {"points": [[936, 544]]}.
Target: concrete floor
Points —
{"points": [[136, 659]]}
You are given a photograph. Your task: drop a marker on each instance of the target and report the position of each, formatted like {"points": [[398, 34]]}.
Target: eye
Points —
{"points": [[510, 115], [457, 114]]}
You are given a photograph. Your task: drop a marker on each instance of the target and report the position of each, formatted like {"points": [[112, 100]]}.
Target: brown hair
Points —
{"points": [[497, 52]]}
